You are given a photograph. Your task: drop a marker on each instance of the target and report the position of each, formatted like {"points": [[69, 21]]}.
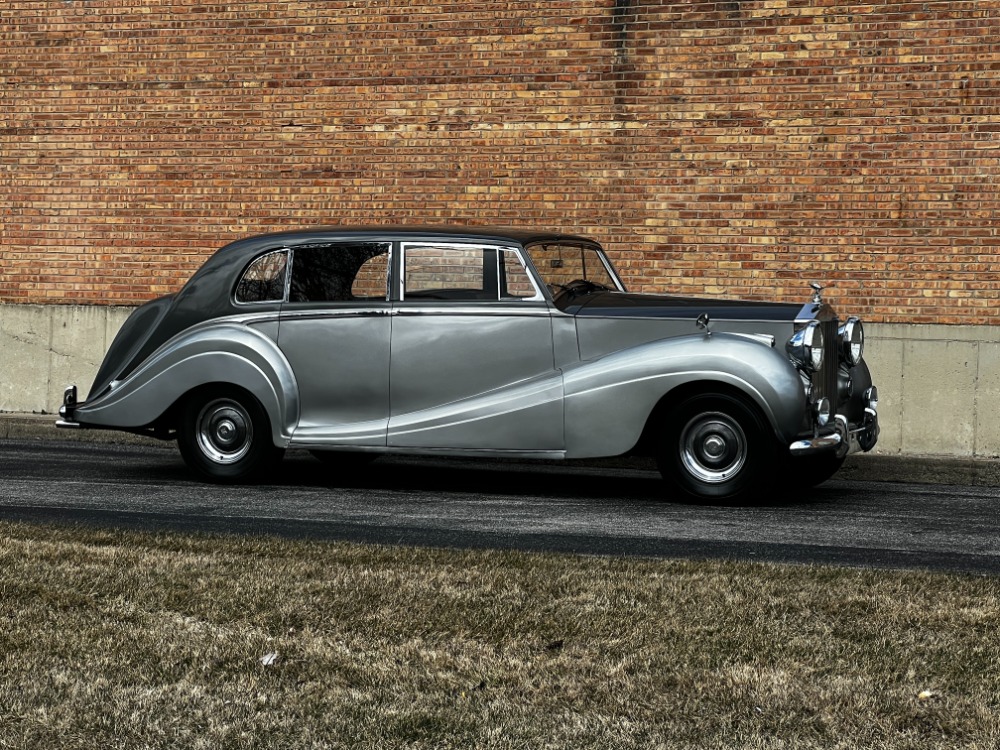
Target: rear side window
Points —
{"points": [[264, 279], [339, 272]]}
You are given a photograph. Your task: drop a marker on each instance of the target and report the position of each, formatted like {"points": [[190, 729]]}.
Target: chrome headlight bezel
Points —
{"points": [[852, 341], [805, 347]]}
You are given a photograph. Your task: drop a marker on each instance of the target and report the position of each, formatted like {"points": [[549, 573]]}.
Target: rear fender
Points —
{"points": [[609, 400], [226, 353]]}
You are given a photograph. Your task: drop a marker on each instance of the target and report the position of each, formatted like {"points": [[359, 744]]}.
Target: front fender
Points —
{"points": [[609, 400], [227, 353]]}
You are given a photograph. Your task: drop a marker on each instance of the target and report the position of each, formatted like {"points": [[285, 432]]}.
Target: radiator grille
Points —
{"points": [[825, 380]]}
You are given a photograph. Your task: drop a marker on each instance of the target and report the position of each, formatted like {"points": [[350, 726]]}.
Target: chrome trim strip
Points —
{"points": [[490, 309], [714, 321], [612, 271], [538, 296], [316, 314], [67, 424], [761, 338], [495, 309]]}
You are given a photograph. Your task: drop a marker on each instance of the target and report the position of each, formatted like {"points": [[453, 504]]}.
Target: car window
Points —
{"points": [[444, 272], [372, 279], [515, 282], [264, 279], [339, 272], [560, 264]]}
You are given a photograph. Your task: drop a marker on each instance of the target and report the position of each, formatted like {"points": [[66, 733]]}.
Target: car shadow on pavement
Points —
{"points": [[629, 482]]}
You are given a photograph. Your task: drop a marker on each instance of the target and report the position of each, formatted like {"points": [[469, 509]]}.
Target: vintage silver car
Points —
{"points": [[480, 342]]}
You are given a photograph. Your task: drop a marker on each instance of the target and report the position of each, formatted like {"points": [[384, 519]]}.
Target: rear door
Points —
{"points": [[334, 331]]}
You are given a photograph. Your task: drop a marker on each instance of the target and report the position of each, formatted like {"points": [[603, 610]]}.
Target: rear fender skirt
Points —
{"points": [[609, 400], [225, 353]]}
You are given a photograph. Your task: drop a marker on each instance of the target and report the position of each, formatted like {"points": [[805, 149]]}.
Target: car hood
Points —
{"points": [[628, 305]]}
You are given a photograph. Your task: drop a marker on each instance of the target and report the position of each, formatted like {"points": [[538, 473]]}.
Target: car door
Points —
{"points": [[471, 365], [334, 330]]}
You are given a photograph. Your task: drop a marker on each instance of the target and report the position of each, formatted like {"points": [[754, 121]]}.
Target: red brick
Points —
{"points": [[740, 147]]}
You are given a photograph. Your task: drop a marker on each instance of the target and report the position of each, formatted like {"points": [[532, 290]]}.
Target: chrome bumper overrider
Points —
{"points": [[66, 410], [846, 437]]}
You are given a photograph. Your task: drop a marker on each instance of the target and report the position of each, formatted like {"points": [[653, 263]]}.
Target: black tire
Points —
{"points": [[805, 472], [225, 436], [344, 461], [718, 448]]}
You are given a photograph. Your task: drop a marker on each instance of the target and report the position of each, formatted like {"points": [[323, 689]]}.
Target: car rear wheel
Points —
{"points": [[717, 448], [225, 436]]}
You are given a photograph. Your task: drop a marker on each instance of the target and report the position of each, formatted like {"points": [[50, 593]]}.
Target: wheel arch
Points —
{"points": [[658, 416], [218, 355]]}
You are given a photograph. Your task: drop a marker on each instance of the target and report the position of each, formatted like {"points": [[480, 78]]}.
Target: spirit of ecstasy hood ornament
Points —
{"points": [[817, 293]]}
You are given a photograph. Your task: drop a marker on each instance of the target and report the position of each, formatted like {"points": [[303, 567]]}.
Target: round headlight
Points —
{"points": [[852, 341], [805, 347]]}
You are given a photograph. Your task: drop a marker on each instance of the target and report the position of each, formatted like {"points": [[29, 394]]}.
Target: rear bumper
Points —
{"points": [[69, 405]]}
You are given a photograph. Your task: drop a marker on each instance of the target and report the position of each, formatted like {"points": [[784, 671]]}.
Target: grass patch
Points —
{"points": [[125, 640]]}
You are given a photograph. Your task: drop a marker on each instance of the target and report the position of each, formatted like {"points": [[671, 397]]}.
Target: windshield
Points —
{"points": [[560, 265]]}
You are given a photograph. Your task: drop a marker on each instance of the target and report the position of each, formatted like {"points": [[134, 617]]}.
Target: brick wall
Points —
{"points": [[735, 148]]}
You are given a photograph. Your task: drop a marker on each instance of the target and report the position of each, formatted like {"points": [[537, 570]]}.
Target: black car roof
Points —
{"points": [[448, 232]]}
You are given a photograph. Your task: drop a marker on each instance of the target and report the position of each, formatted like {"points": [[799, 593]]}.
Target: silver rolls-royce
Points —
{"points": [[480, 342]]}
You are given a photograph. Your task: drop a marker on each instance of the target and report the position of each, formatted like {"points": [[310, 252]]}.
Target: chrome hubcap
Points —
{"points": [[225, 431], [713, 447]]}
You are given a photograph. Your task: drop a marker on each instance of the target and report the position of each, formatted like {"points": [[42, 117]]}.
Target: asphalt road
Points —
{"points": [[517, 505]]}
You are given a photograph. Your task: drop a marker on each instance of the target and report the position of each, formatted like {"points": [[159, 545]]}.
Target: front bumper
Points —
{"points": [[844, 437]]}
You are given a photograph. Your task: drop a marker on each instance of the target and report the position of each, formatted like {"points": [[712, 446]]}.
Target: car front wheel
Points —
{"points": [[225, 436], [717, 448]]}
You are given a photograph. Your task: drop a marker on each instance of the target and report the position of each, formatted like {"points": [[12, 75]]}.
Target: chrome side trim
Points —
{"points": [[489, 309], [316, 314], [761, 338], [494, 309], [687, 320]]}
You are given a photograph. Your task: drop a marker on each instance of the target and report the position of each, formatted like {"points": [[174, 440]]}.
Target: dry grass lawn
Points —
{"points": [[127, 640]]}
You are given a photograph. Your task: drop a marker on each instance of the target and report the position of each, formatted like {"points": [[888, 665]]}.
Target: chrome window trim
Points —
{"points": [[601, 254], [612, 271], [404, 245], [288, 277], [537, 297], [291, 261]]}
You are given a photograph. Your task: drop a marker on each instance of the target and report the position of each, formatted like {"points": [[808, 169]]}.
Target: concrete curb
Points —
{"points": [[975, 472]]}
